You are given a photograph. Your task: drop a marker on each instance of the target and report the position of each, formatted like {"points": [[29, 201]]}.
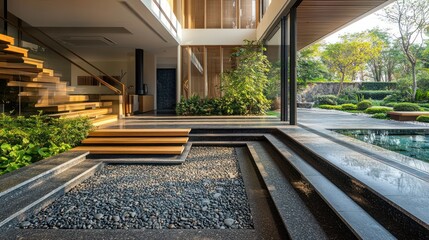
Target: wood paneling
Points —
{"points": [[318, 18]]}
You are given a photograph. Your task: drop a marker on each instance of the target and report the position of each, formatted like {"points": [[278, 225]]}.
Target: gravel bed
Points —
{"points": [[206, 192]]}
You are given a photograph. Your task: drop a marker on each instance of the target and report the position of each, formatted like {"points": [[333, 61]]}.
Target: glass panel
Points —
{"points": [[213, 14], [213, 71], [229, 14], [248, 14], [273, 46]]}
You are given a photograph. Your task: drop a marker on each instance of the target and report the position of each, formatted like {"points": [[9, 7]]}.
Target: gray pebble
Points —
{"points": [[229, 222], [99, 216]]}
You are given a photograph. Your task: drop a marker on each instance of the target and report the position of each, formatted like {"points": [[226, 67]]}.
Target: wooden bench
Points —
{"points": [[406, 116]]}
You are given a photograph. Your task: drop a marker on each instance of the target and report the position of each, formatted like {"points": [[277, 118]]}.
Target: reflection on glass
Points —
{"points": [[273, 54]]}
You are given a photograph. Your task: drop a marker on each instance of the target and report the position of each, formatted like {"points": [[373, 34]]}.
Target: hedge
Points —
{"points": [[378, 85], [380, 116], [407, 107], [331, 107], [377, 109], [375, 94], [326, 100], [423, 118], [348, 106], [362, 105]]}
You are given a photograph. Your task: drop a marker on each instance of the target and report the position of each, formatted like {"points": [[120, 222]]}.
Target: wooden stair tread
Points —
{"points": [[164, 150], [47, 79], [72, 106], [48, 71], [37, 62], [83, 113], [23, 72], [7, 39], [14, 49], [140, 132], [19, 65], [136, 140], [98, 121]]}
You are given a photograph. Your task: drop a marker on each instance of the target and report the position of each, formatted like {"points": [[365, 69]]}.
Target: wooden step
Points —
{"points": [[47, 79], [21, 66], [7, 39], [83, 113], [72, 106], [37, 85], [165, 132], [47, 98], [17, 72], [48, 72], [7, 57], [135, 140], [37, 62], [161, 150], [14, 49], [104, 120]]}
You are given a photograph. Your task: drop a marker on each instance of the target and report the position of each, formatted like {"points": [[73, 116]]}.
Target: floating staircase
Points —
{"points": [[42, 88], [135, 142]]}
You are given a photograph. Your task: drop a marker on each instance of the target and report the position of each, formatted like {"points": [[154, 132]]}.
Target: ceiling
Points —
{"points": [[97, 28], [317, 19]]}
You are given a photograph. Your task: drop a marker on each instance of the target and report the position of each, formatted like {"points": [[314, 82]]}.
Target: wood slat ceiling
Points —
{"points": [[318, 18]]}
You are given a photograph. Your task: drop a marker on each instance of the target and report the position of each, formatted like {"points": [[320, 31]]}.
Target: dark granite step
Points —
{"points": [[18, 206], [311, 181]]}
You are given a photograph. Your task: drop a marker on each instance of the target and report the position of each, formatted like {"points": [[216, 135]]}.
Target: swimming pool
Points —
{"points": [[410, 142]]}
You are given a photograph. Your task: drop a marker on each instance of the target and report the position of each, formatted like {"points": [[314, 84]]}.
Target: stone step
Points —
{"points": [[360, 223], [18, 206]]}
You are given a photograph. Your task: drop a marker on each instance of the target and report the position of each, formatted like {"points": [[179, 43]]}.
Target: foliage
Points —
{"points": [[411, 17], [378, 86], [375, 94], [348, 106], [27, 140], [309, 65], [363, 105], [377, 109], [243, 87], [423, 118], [380, 116], [334, 107], [348, 57], [405, 106], [326, 100], [272, 90], [350, 95]]}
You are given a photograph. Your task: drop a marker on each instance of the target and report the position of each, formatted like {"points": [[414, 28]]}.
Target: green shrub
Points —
{"points": [[408, 107], [423, 118], [348, 106], [326, 100], [380, 116], [375, 94], [374, 110], [333, 107], [362, 105], [390, 104], [378, 85], [24, 140]]}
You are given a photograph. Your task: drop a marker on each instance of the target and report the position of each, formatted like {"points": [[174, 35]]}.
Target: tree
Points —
{"points": [[243, 87], [412, 18], [309, 65], [347, 57]]}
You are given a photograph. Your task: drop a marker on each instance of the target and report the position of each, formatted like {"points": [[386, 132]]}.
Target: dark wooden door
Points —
{"points": [[166, 91]]}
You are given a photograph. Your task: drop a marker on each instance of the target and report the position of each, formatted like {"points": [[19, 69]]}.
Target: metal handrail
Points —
{"points": [[114, 89]]}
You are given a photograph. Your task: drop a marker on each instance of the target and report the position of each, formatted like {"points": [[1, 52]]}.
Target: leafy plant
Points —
{"points": [[27, 140], [362, 105], [423, 118], [326, 100], [409, 107], [243, 87], [348, 106], [380, 116], [374, 110], [375, 94], [333, 107]]}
